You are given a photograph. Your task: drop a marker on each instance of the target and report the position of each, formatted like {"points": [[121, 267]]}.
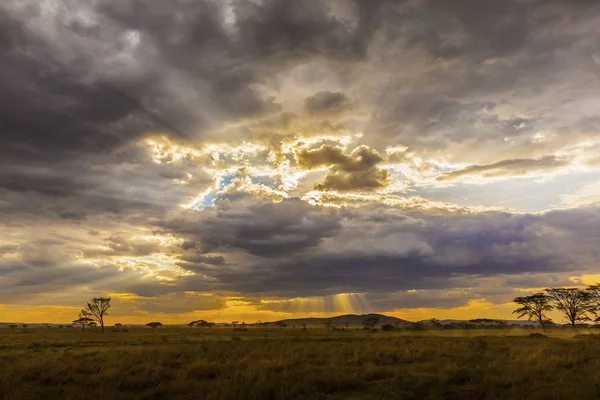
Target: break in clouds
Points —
{"points": [[419, 153]]}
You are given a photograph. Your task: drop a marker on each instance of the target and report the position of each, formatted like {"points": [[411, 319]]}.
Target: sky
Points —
{"points": [[268, 159]]}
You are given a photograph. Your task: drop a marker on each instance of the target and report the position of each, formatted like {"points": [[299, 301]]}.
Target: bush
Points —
{"points": [[537, 335], [387, 328]]}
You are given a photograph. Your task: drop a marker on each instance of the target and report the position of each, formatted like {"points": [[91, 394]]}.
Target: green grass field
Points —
{"points": [[260, 363]]}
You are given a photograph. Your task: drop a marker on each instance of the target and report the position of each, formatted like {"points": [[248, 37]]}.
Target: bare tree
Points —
{"points": [[575, 304], [83, 321], [97, 310], [534, 307]]}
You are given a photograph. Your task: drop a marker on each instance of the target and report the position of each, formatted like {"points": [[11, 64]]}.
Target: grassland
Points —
{"points": [[263, 363]]}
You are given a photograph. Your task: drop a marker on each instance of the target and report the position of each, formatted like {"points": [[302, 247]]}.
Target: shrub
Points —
{"points": [[537, 335]]}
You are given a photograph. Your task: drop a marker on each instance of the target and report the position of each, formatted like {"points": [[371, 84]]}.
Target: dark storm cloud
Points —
{"points": [[264, 229], [420, 251], [508, 167]]}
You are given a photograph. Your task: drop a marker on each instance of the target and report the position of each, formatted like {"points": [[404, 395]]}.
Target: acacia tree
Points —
{"points": [[534, 307], [575, 304], [594, 291], [96, 310], [83, 321], [153, 325], [12, 327], [119, 326]]}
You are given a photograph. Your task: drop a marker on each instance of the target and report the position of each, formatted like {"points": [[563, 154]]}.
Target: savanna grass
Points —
{"points": [[217, 363]]}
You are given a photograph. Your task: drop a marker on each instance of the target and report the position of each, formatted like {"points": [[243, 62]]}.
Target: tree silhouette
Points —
{"points": [[594, 291], [12, 327], [83, 321], [370, 323], [327, 324], [281, 324], [119, 325], [153, 325], [97, 310], [575, 304], [534, 307], [24, 327]]}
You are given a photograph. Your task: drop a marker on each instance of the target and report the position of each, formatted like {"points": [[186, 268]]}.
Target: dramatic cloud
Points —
{"points": [[355, 172], [327, 102], [244, 159], [508, 167]]}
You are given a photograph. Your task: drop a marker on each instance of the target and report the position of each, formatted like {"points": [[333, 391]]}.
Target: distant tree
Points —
{"points": [[83, 321], [119, 326], [24, 327], [435, 323], [304, 327], [575, 304], [12, 327], [388, 327], [281, 324], [488, 323], [92, 325], [96, 310], [60, 326], [370, 323], [154, 325], [535, 307], [327, 324]]}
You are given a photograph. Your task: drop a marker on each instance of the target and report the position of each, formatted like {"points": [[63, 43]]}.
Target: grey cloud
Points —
{"points": [[264, 229], [508, 167], [327, 102], [443, 251]]}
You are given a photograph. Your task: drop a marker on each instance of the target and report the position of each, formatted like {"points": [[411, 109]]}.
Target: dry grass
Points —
{"points": [[208, 364]]}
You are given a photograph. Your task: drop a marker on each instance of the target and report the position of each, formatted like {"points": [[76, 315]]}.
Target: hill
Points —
{"points": [[348, 319]]}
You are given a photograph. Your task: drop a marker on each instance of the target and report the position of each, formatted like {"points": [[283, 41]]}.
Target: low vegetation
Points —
{"points": [[317, 363], [382, 358]]}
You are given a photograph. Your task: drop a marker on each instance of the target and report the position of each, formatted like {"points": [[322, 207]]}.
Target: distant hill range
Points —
{"points": [[340, 320], [349, 319], [466, 321]]}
